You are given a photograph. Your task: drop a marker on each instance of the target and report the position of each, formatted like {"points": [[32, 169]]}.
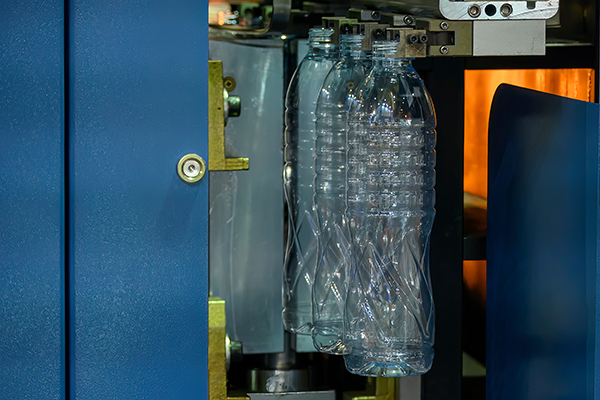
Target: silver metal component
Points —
{"points": [[325, 395], [512, 38], [375, 15], [191, 168], [474, 10], [461, 10], [277, 381], [246, 249], [506, 10], [408, 20], [444, 50], [444, 25]]}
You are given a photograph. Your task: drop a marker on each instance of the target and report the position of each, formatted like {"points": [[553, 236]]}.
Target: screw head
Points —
{"points": [[191, 168], [444, 50], [474, 11], [444, 25], [506, 10], [408, 20], [375, 14]]}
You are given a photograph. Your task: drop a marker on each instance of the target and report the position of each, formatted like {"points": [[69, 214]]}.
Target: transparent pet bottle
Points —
{"points": [[389, 312], [333, 266], [301, 244]]}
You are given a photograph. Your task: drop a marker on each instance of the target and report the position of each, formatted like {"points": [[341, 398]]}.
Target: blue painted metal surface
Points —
{"points": [[31, 200], [542, 248], [138, 261]]}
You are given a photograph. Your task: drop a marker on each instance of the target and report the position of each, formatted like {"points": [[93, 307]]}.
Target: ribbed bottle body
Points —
{"points": [[333, 265], [391, 159], [301, 245]]}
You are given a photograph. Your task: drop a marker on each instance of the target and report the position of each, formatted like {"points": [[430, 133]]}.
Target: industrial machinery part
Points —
{"points": [[219, 109]]}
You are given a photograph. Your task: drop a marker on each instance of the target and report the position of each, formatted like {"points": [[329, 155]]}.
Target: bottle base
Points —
{"points": [[295, 323], [328, 338], [392, 364]]}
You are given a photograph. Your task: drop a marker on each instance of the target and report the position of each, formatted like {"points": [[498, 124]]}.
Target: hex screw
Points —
{"points": [[375, 14], [444, 25], [408, 20], [423, 38], [444, 50], [413, 39]]}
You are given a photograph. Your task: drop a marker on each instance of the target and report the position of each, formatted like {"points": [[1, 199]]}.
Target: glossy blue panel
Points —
{"points": [[138, 87], [31, 200], [542, 247]]}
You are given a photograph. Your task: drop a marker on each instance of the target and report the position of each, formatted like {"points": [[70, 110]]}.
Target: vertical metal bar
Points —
{"points": [[32, 227]]}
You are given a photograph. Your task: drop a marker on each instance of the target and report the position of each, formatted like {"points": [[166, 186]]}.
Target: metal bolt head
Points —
{"points": [[375, 14], [444, 25], [444, 50], [408, 20], [506, 10], [474, 11], [191, 168], [413, 39], [229, 83]]}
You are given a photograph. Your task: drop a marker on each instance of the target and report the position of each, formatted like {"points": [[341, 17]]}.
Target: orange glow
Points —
{"points": [[480, 86]]}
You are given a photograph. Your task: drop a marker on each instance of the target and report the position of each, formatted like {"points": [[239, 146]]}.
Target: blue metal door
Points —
{"points": [[32, 355], [104, 284]]}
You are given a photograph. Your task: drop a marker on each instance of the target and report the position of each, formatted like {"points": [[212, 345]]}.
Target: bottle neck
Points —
{"points": [[392, 62], [355, 54], [326, 50]]}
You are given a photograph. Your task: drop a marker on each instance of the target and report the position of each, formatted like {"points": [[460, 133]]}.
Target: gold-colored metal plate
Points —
{"points": [[217, 374], [217, 358], [216, 124]]}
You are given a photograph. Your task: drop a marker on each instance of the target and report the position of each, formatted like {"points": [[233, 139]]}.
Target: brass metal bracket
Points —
{"points": [[217, 352], [448, 38], [216, 124]]}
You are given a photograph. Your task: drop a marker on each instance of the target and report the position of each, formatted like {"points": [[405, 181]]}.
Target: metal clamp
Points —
{"points": [[216, 124]]}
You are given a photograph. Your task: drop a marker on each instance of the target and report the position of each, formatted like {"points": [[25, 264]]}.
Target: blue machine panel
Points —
{"points": [[138, 249], [32, 359], [542, 254]]}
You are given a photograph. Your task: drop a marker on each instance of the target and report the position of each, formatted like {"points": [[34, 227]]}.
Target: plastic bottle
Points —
{"points": [[301, 245], [329, 289], [391, 138]]}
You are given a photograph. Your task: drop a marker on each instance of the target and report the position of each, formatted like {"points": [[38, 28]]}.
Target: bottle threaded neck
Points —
{"points": [[319, 36], [351, 42], [384, 48]]}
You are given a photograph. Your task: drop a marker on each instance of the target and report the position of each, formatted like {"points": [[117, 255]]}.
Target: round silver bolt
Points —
{"points": [[191, 168], [506, 10], [444, 25], [474, 11], [444, 50], [408, 20]]}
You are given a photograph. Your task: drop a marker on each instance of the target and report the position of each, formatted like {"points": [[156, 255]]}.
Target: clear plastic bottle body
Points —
{"points": [[329, 289], [301, 245], [391, 158]]}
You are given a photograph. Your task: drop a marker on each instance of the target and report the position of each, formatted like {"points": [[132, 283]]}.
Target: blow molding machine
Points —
{"points": [[144, 223]]}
